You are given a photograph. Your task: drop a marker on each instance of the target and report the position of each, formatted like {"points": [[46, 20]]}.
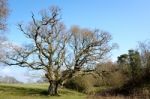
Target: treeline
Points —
{"points": [[9, 80], [130, 72]]}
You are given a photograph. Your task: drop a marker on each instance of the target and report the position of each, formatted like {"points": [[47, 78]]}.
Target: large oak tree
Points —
{"points": [[52, 48]]}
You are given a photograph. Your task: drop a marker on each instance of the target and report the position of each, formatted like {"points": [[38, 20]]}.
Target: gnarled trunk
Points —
{"points": [[53, 88]]}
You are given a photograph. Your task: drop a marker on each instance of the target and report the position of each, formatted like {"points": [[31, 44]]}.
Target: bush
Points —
{"points": [[81, 83], [112, 79], [117, 79]]}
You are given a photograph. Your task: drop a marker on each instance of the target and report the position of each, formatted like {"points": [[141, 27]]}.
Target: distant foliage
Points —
{"points": [[8, 79], [43, 80]]}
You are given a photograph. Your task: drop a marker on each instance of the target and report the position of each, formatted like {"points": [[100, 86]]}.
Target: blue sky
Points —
{"points": [[128, 21]]}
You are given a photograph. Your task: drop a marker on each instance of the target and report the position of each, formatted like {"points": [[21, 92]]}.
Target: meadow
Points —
{"points": [[35, 91], [39, 91]]}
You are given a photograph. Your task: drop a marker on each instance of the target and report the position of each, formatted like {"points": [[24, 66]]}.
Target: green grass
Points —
{"points": [[35, 91]]}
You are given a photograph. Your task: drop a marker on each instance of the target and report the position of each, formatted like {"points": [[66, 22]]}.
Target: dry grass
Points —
{"points": [[141, 93], [118, 97]]}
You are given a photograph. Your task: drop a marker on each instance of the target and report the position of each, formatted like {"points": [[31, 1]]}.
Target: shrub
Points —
{"points": [[81, 83], [114, 79], [117, 79]]}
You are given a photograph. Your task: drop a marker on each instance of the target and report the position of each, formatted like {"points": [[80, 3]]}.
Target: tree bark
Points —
{"points": [[53, 88]]}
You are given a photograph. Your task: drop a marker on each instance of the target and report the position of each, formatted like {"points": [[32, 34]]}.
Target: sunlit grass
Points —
{"points": [[35, 91]]}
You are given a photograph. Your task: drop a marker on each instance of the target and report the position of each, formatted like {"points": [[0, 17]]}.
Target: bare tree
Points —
{"points": [[88, 47], [47, 49], [4, 10], [144, 48], [52, 48], [3, 13]]}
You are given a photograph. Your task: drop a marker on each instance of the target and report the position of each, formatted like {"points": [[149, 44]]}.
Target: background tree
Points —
{"points": [[123, 63], [3, 13], [4, 10], [9, 79], [144, 48], [133, 62]]}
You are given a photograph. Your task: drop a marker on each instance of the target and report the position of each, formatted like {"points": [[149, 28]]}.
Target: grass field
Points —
{"points": [[39, 91], [35, 91]]}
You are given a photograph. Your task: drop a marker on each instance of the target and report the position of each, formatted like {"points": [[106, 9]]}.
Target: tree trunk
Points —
{"points": [[53, 88]]}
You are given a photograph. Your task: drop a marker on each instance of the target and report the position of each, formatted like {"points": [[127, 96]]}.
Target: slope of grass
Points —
{"points": [[35, 91]]}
